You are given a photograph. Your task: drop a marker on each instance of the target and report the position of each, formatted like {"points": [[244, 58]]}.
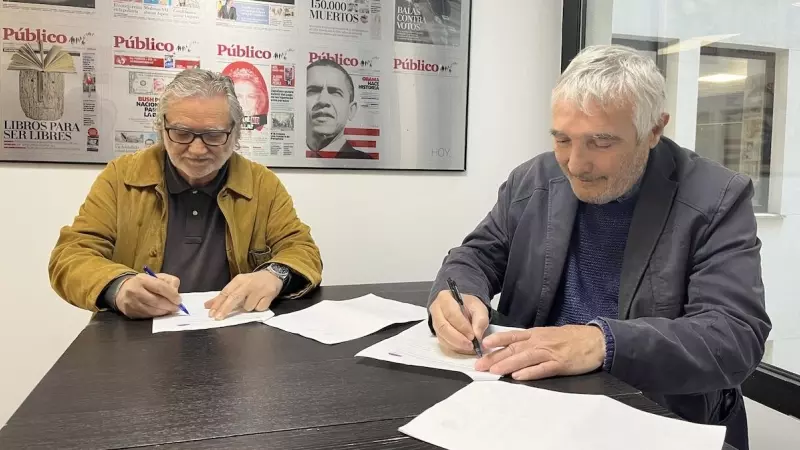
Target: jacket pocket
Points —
{"points": [[728, 408], [258, 257], [668, 277]]}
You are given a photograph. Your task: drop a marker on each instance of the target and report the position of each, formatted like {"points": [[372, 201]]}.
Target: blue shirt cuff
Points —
{"points": [[609, 337]]}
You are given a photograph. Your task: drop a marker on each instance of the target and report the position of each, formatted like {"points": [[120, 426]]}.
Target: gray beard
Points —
{"points": [[632, 171]]}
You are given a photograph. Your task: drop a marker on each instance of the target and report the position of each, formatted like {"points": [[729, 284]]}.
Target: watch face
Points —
{"points": [[279, 269]]}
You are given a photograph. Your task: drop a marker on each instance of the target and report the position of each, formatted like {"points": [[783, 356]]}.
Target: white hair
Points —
{"points": [[615, 76], [200, 83]]}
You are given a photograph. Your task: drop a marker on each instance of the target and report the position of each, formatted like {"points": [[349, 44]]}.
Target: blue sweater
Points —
{"points": [[589, 287]]}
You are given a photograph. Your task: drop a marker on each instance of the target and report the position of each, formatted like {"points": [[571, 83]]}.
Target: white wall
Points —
{"points": [[371, 227], [770, 25], [35, 325], [769, 429]]}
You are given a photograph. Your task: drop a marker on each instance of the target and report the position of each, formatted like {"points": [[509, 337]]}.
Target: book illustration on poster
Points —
{"points": [[51, 108], [342, 107], [435, 22], [41, 80]]}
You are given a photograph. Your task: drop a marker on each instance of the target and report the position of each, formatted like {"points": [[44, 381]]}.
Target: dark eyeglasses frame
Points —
{"points": [[202, 136]]}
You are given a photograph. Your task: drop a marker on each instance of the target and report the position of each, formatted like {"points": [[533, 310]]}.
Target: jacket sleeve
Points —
{"points": [[291, 241], [720, 339], [478, 266], [80, 264]]}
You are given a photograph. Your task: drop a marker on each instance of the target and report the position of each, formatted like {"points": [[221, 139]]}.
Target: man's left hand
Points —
{"points": [[253, 292], [544, 352]]}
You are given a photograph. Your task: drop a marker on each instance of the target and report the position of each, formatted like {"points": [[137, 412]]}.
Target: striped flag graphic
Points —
{"points": [[362, 139]]}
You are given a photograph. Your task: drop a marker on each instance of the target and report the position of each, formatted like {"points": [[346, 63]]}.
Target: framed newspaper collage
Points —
{"points": [[357, 84]]}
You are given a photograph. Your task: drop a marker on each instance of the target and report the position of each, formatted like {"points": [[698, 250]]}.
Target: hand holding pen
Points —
{"points": [[460, 321], [148, 295], [180, 305], [476, 345]]}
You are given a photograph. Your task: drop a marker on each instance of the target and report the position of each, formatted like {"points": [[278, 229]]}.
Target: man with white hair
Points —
{"points": [[619, 251], [191, 208]]}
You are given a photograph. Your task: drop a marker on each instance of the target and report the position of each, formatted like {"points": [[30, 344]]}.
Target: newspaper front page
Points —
{"points": [[49, 95], [143, 66], [264, 77]]}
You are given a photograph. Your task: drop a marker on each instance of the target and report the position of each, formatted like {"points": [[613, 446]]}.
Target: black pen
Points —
{"points": [[457, 295]]}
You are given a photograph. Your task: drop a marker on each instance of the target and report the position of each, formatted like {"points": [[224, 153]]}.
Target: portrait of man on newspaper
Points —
{"points": [[226, 10], [330, 105]]}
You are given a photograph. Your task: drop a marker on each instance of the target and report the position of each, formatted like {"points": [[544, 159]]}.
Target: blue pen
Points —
{"points": [[150, 272]]}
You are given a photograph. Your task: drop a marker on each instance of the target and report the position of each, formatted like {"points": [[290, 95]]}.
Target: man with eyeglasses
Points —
{"points": [[190, 208]]}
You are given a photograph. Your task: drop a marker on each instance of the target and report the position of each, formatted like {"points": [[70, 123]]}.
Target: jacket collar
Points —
{"points": [[656, 196], [147, 169]]}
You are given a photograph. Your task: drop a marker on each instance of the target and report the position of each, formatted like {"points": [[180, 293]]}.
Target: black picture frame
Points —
{"points": [[308, 169], [573, 30]]}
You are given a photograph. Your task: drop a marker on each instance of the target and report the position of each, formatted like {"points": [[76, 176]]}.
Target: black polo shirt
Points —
{"points": [[195, 246]]}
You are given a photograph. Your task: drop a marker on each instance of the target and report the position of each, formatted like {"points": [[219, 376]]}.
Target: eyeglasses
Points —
{"points": [[183, 136]]}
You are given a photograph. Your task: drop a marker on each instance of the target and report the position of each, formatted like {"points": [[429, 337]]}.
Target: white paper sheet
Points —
{"points": [[332, 322], [418, 347], [547, 420], [198, 315]]}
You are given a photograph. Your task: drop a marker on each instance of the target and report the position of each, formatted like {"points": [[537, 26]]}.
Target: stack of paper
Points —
{"points": [[418, 347], [198, 315], [332, 322], [527, 417]]}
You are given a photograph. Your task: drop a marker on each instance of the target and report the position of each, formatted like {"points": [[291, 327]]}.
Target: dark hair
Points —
{"points": [[331, 63]]}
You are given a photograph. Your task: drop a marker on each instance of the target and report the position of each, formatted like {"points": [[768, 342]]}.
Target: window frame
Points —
{"points": [[762, 193]]}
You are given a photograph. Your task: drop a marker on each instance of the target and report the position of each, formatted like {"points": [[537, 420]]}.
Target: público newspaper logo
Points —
{"points": [[151, 44], [418, 66], [25, 34], [345, 61], [251, 52]]}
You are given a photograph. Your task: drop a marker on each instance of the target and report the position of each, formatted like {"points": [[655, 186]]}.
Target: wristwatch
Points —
{"points": [[281, 271]]}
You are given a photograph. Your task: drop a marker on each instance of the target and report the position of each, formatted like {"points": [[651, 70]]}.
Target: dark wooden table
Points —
{"points": [[249, 386]]}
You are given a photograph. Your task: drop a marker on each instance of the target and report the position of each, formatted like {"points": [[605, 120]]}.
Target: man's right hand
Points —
{"points": [[144, 296], [454, 328]]}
